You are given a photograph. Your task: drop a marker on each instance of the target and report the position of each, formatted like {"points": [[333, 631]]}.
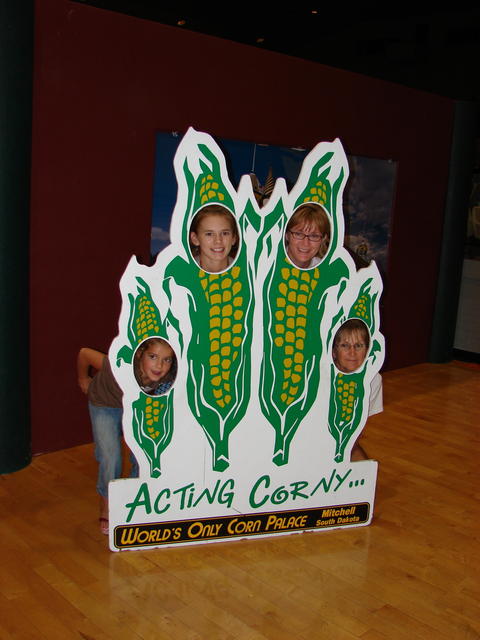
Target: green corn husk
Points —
{"points": [[294, 302]]}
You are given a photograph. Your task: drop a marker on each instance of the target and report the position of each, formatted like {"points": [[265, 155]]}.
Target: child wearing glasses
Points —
{"points": [[350, 348], [307, 236]]}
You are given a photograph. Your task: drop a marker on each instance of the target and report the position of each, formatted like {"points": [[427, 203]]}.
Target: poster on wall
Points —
{"points": [[367, 201], [247, 355]]}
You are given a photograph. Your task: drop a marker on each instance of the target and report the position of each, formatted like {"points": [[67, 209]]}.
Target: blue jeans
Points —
{"points": [[107, 435]]}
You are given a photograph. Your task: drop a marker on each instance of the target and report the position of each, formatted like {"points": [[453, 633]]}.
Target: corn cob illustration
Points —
{"points": [[348, 390], [346, 405], [152, 424], [152, 420], [294, 300], [144, 321], [220, 313]]}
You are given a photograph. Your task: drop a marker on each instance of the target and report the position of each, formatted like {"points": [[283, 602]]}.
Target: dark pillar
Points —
{"points": [[16, 58], [454, 231]]}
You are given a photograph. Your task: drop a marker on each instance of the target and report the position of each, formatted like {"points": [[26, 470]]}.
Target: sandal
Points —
{"points": [[103, 526]]}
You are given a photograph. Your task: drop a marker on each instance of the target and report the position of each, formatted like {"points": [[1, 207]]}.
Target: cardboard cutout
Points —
{"points": [[255, 435]]}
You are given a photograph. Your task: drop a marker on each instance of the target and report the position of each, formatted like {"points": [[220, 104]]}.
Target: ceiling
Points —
{"points": [[432, 50]]}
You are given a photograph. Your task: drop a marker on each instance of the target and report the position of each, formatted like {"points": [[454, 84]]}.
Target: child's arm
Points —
{"points": [[88, 358]]}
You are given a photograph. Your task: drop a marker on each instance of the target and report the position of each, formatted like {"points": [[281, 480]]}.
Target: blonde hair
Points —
{"points": [[312, 214]]}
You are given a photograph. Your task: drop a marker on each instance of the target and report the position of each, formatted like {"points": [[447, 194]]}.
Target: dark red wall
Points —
{"points": [[104, 83]]}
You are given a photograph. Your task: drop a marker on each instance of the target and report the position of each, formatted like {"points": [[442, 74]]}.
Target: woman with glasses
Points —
{"points": [[350, 348], [307, 236]]}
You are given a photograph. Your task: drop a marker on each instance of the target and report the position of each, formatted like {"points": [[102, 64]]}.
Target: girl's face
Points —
{"points": [[215, 238], [303, 244], [350, 351], [156, 361]]}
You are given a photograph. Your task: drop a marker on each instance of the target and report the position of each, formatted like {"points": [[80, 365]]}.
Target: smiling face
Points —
{"points": [[155, 362], [350, 349], [302, 249], [214, 238]]}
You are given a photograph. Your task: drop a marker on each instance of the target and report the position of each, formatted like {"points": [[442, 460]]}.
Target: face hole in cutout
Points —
{"points": [[214, 238], [155, 366], [307, 236], [351, 345]]}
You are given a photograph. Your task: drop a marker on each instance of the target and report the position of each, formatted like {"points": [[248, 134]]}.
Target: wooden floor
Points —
{"points": [[414, 573]]}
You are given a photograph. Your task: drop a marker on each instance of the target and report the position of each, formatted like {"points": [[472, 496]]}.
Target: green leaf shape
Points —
{"points": [[152, 425], [144, 321], [364, 306], [346, 411], [346, 407], [219, 368], [209, 186], [220, 310], [294, 302]]}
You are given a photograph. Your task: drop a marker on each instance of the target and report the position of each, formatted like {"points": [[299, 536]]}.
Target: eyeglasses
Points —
{"points": [[312, 237], [345, 346]]}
